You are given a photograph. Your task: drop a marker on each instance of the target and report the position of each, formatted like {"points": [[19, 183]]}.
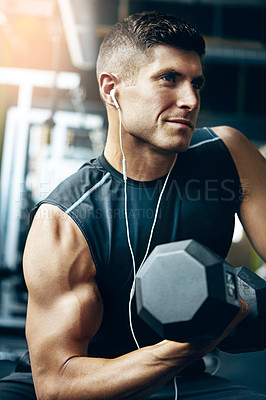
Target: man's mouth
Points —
{"points": [[180, 121]]}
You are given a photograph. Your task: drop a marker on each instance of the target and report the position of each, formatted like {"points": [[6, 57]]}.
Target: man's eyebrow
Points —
{"points": [[165, 71]]}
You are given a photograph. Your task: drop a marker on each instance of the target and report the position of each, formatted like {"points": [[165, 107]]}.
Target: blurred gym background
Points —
{"points": [[52, 120]]}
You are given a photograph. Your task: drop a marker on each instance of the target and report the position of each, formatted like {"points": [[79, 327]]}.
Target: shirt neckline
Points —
{"points": [[117, 175]]}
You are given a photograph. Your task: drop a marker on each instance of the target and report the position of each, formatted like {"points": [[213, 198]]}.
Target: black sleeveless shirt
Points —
{"points": [[202, 195]]}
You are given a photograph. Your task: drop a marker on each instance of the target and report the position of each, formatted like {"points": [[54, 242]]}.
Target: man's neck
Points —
{"points": [[141, 166]]}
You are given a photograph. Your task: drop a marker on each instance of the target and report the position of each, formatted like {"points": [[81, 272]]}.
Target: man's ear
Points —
{"points": [[107, 82]]}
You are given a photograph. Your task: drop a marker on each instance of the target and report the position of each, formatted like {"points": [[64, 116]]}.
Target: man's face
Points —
{"points": [[160, 109]]}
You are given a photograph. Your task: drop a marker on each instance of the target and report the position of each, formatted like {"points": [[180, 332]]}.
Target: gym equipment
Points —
{"points": [[5, 272], [250, 334], [186, 292]]}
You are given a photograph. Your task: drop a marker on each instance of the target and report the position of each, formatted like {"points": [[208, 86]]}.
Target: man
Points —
{"points": [[151, 186]]}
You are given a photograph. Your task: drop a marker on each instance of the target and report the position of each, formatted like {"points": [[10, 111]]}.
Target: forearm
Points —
{"points": [[135, 375], [132, 376]]}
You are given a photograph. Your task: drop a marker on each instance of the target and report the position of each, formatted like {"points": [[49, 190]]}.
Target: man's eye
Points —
{"points": [[197, 85], [169, 78]]}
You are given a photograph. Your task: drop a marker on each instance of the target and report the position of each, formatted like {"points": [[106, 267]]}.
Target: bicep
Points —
{"points": [[64, 306]]}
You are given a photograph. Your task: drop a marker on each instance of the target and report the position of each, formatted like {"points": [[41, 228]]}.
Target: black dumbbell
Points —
{"points": [[250, 334], [184, 291]]}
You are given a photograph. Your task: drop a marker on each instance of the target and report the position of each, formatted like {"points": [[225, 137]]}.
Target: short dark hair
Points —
{"points": [[129, 41]]}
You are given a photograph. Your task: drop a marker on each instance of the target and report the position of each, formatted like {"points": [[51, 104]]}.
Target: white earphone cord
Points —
{"points": [[132, 291]]}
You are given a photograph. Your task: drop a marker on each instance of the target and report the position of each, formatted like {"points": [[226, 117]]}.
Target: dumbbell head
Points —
{"points": [[184, 291]]}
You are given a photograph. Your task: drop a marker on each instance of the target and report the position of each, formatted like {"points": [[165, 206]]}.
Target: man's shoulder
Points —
{"points": [[212, 145], [236, 142], [76, 188], [202, 134], [248, 160], [230, 136], [205, 136], [86, 177]]}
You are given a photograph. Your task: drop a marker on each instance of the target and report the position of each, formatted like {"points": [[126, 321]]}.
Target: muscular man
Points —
{"points": [[88, 236]]}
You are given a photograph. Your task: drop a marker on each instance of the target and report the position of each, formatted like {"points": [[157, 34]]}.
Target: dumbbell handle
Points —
{"points": [[250, 334]]}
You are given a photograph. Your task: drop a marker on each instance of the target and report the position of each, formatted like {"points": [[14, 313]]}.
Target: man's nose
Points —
{"points": [[188, 97]]}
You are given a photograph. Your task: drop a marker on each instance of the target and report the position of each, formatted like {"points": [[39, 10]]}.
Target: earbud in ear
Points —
{"points": [[112, 94]]}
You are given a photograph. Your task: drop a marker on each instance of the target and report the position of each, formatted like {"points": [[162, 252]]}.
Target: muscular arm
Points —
{"points": [[251, 166], [64, 313]]}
